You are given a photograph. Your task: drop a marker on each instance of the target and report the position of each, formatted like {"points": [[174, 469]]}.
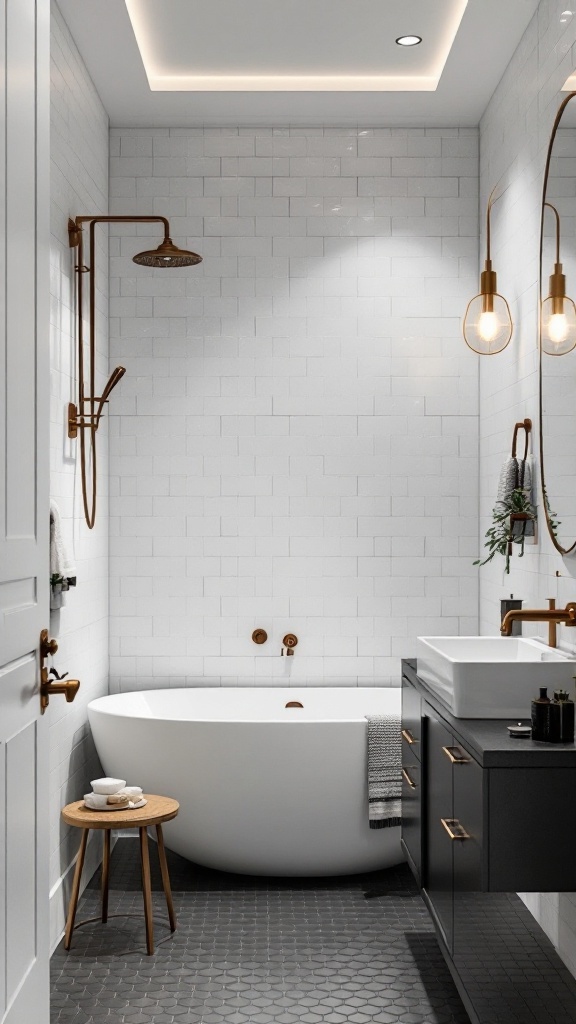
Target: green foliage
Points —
{"points": [[501, 535]]}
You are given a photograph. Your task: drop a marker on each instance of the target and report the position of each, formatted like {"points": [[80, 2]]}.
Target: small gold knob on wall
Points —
{"points": [[259, 636]]}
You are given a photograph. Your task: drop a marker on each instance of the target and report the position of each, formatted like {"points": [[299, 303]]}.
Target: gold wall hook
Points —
{"points": [[259, 636]]}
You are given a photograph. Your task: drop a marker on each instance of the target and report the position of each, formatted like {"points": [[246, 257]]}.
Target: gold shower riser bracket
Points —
{"points": [[72, 420]]}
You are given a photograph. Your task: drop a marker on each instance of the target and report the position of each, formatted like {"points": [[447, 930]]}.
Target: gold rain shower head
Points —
{"points": [[167, 255], [84, 418]]}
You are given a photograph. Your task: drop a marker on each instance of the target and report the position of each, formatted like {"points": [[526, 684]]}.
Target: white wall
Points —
{"points": [[514, 138], [79, 184], [295, 442]]}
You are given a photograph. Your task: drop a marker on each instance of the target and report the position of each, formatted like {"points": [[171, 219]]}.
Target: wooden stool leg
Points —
{"points": [[147, 890], [165, 878], [105, 874], [75, 889]]}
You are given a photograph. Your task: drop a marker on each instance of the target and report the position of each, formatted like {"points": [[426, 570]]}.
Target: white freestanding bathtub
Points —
{"points": [[263, 789]]}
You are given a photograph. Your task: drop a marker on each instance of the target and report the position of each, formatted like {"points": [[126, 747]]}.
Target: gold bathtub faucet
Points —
{"points": [[552, 615]]}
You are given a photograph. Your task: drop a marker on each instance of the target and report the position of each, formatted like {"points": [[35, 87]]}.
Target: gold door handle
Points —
{"points": [[454, 829], [407, 735], [68, 687], [411, 783], [455, 755]]}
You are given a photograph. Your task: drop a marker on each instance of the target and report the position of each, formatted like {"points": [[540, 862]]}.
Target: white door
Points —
{"points": [[24, 507]]}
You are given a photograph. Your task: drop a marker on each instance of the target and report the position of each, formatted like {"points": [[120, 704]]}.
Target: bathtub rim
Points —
{"points": [[95, 705]]}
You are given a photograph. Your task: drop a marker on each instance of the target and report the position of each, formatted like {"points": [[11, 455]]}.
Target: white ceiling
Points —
{"points": [[332, 62]]}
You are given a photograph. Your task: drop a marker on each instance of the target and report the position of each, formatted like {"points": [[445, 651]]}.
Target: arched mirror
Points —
{"points": [[557, 331]]}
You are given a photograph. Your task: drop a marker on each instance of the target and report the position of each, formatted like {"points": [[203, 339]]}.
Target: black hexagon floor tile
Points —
{"points": [[256, 951]]}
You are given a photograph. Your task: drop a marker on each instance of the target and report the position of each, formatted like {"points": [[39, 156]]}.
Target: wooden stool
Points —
{"points": [[157, 810]]}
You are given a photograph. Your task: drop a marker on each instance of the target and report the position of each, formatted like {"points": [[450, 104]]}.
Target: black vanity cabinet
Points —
{"points": [[485, 813], [484, 817]]}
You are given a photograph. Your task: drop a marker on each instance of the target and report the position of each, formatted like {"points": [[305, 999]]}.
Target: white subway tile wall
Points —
{"points": [[294, 445], [79, 184], [514, 139]]}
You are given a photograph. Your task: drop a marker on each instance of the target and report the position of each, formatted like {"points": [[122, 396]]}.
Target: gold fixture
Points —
{"points": [[259, 636], [455, 755], [487, 323], [552, 615], [48, 688], [407, 778], [454, 829], [558, 310], [289, 642], [86, 415], [409, 737], [293, 704]]}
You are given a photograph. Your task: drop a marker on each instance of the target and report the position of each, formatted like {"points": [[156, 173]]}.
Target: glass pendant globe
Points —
{"points": [[488, 324], [558, 326]]}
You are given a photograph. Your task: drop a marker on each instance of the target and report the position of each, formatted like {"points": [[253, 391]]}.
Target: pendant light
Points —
{"points": [[488, 322], [558, 310]]}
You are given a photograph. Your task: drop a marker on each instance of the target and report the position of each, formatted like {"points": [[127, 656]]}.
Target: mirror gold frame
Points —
{"points": [[554, 132]]}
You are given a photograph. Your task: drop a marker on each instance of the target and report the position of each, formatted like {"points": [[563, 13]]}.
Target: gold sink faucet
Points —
{"points": [[551, 615]]}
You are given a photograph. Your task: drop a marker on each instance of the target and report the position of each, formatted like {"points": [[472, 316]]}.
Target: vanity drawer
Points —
{"points": [[412, 809], [412, 719]]}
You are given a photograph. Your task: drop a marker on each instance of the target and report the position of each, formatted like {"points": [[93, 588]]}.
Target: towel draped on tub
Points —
{"points": [[384, 771]]}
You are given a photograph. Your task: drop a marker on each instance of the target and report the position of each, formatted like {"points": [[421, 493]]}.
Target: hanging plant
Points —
{"points": [[507, 515]]}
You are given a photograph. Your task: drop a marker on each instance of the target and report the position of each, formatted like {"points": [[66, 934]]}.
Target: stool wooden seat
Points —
{"points": [[157, 810]]}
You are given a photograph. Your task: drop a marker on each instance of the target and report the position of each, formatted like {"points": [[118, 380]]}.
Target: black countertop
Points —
{"points": [[488, 739]]}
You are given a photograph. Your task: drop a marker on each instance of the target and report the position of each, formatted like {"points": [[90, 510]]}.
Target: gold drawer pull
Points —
{"points": [[455, 755], [454, 829], [407, 779], [408, 736]]}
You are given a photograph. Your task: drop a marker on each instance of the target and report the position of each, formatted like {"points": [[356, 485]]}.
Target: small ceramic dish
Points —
{"points": [[107, 787], [115, 807]]}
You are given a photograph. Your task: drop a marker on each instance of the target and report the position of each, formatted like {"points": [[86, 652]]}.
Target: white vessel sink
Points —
{"points": [[491, 677]]}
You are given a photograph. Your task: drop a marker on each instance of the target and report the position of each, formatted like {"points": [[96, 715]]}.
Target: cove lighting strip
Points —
{"points": [[159, 81]]}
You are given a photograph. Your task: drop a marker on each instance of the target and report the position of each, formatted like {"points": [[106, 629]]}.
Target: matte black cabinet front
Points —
{"points": [[472, 829]]}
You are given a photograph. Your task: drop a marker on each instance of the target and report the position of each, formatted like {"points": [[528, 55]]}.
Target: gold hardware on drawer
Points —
{"points": [[409, 737], [455, 755], [407, 778], [454, 829]]}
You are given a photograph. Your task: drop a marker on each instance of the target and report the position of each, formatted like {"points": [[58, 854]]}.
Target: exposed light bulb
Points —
{"points": [[558, 328], [488, 326]]}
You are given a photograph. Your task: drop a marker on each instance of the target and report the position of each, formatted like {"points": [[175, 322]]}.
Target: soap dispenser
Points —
{"points": [[562, 718], [541, 715]]}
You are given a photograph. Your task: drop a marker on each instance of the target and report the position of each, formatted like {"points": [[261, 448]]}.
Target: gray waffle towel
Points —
{"points": [[384, 771], [516, 473]]}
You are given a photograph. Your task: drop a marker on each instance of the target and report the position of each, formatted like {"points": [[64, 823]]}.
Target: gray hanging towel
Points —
{"points": [[384, 771], [516, 473]]}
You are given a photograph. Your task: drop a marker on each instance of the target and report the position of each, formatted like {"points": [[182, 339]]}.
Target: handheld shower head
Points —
{"points": [[113, 380], [167, 255]]}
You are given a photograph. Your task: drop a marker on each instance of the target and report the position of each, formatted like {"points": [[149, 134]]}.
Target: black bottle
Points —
{"points": [[561, 728], [541, 716]]}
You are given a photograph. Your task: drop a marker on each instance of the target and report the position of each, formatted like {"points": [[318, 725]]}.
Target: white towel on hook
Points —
{"points": [[60, 563]]}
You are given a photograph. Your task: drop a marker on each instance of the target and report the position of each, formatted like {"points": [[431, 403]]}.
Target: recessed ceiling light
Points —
{"points": [[409, 40]]}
